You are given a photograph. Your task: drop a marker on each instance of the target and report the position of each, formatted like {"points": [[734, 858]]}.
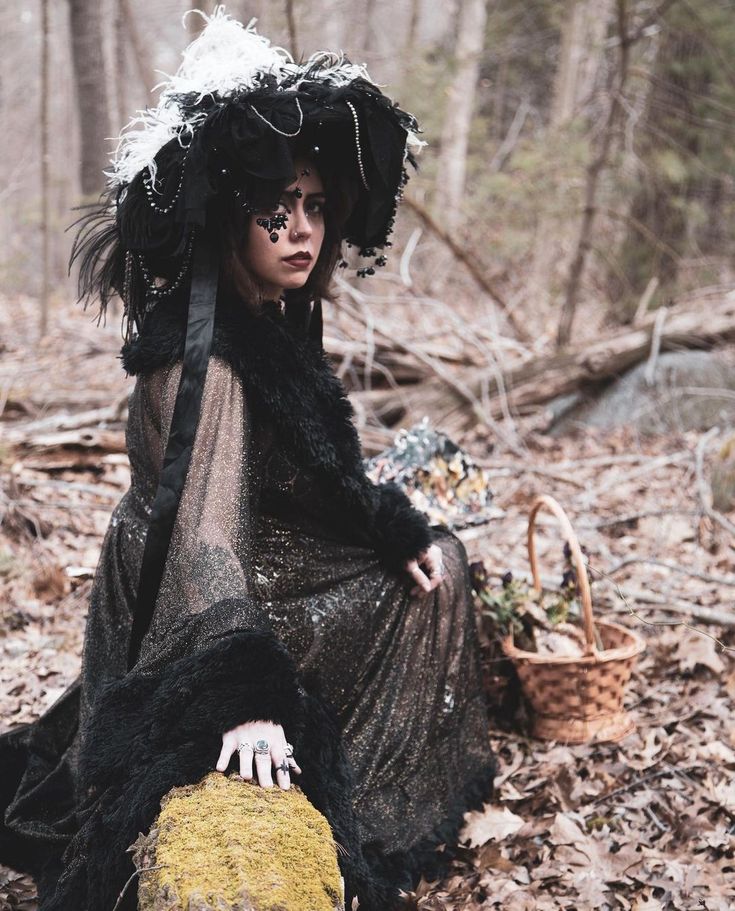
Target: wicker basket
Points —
{"points": [[577, 699]]}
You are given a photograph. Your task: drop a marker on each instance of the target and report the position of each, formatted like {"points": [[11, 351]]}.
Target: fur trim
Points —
{"points": [[291, 384], [402, 531], [148, 734]]}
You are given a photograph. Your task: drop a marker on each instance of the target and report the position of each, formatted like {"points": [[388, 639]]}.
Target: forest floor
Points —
{"points": [[647, 823]]}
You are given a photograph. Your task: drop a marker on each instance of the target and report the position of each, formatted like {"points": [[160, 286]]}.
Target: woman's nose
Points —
{"points": [[301, 225]]}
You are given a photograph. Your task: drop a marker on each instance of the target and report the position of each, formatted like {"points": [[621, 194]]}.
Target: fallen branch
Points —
{"points": [[538, 381]]}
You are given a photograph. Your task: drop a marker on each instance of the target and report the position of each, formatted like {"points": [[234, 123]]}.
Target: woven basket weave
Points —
{"points": [[577, 699]]}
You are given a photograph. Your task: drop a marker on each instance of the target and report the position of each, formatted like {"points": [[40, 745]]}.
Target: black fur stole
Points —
{"points": [[291, 385]]}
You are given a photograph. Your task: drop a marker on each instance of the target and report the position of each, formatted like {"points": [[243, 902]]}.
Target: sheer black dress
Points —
{"points": [[270, 598]]}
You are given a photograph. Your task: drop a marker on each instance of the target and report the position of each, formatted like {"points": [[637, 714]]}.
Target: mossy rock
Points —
{"points": [[232, 845]]}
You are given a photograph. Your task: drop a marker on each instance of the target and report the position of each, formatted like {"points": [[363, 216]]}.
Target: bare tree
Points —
{"points": [[141, 52], [291, 20], [45, 227], [585, 24], [85, 20], [584, 28], [459, 110], [617, 86]]}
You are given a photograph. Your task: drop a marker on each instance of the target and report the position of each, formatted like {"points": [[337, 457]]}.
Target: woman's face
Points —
{"points": [[298, 226]]}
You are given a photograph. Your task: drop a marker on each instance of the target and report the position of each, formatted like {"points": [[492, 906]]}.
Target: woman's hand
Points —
{"points": [[431, 559], [249, 734]]}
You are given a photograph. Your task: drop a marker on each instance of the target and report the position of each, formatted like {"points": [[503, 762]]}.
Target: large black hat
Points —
{"points": [[223, 134]]}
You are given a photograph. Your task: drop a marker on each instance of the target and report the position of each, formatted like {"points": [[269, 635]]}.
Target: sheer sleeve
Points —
{"points": [[206, 589]]}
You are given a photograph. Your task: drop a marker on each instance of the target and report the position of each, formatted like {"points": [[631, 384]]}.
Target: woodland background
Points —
{"points": [[560, 299]]}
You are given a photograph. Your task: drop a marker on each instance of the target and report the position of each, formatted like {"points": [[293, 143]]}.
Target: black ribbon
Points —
{"points": [[198, 345]]}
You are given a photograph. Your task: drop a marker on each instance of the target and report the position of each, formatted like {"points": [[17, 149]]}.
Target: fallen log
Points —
{"points": [[540, 380], [226, 843]]}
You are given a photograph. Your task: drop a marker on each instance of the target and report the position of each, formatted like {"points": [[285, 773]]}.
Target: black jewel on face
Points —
{"points": [[273, 224]]}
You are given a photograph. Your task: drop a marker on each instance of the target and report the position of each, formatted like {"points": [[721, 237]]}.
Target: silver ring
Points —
{"points": [[262, 747], [244, 745], [289, 749]]}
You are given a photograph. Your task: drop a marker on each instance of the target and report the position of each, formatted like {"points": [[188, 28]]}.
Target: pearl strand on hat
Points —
{"points": [[153, 289], [148, 184], [351, 106]]}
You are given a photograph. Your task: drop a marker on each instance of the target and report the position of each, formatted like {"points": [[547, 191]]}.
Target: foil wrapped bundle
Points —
{"points": [[442, 480]]}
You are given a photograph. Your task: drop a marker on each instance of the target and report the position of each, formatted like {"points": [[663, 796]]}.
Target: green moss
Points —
{"points": [[230, 843]]}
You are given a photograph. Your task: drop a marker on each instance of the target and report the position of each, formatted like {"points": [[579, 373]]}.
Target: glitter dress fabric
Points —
{"points": [[402, 671]]}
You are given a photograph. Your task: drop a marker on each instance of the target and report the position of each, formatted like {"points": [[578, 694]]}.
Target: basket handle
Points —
{"points": [[582, 578]]}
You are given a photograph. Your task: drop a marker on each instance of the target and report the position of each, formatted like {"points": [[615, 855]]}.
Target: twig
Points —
{"points": [[130, 879], [658, 773], [466, 258], [645, 300], [650, 466], [655, 820], [524, 468], [459, 387], [704, 614], [649, 372], [408, 250], [634, 516], [96, 489], [675, 606], [674, 567]]}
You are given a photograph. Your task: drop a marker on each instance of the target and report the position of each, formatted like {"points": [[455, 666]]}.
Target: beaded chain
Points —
{"points": [[149, 189], [275, 129], [151, 287], [351, 106]]}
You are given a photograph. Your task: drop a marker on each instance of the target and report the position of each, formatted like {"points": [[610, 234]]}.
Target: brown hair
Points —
{"points": [[238, 278]]}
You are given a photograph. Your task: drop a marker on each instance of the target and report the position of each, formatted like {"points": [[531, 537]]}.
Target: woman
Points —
{"points": [[259, 603]]}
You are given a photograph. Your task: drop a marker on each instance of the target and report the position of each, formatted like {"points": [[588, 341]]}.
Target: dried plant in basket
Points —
{"points": [[545, 621]]}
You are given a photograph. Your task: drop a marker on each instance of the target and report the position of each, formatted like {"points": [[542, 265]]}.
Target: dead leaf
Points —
{"points": [[694, 650], [489, 824]]}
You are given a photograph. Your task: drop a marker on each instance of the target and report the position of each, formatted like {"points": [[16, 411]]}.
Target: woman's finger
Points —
{"points": [[263, 764], [413, 568], [435, 563], [246, 761], [283, 770], [228, 748]]}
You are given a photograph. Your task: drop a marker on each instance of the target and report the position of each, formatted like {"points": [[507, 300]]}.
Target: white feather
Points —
{"points": [[225, 58]]}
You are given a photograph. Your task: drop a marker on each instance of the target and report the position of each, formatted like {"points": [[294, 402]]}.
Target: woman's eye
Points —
{"points": [[315, 208]]}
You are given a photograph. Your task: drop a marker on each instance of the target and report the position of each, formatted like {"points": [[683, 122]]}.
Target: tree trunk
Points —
{"points": [[45, 264], [580, 57], [141, 52], [459, 111], [595, 169], [85, 20], [680, 86], [585, 24]]}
